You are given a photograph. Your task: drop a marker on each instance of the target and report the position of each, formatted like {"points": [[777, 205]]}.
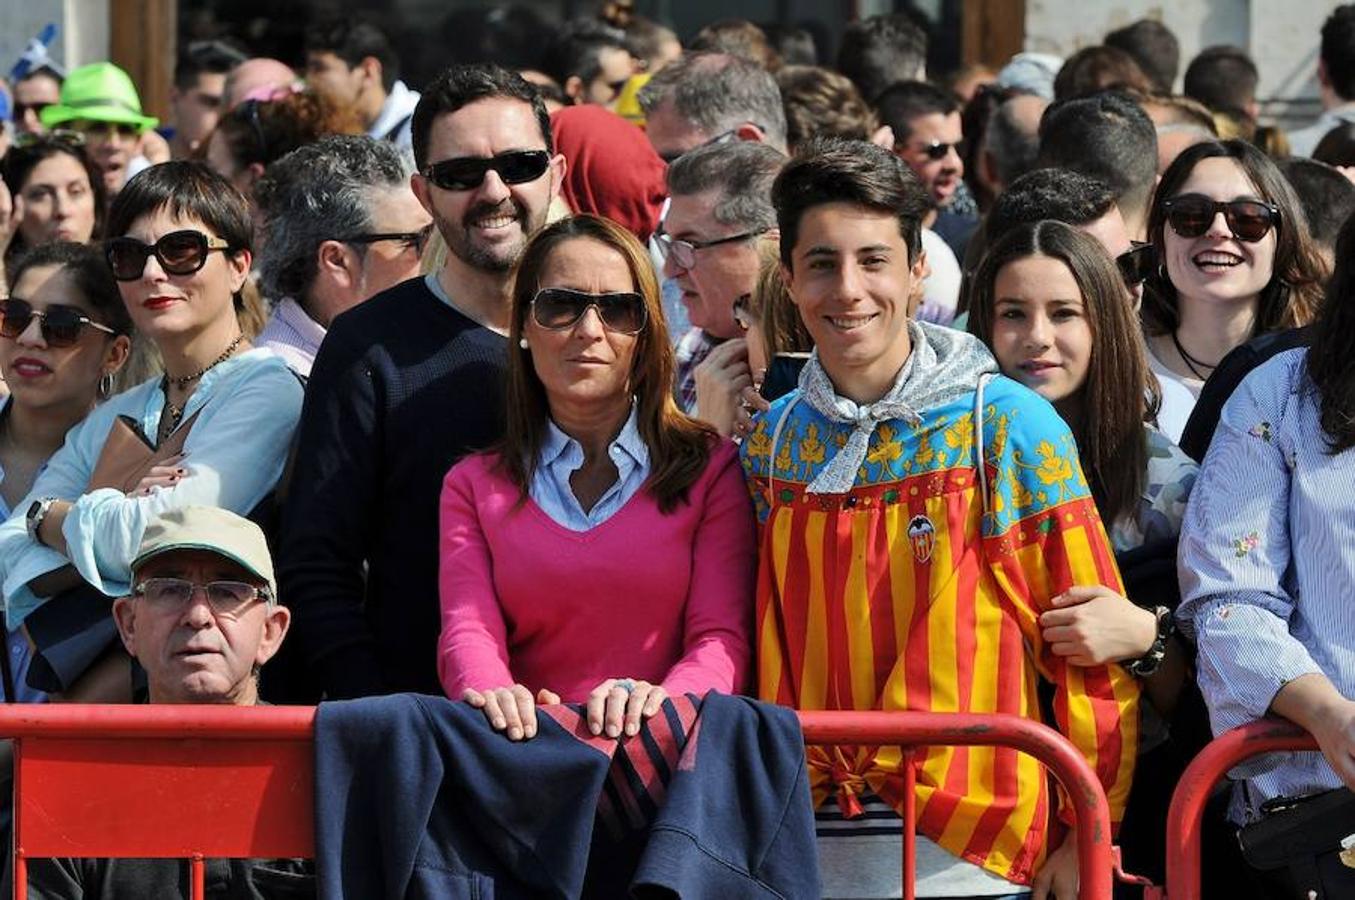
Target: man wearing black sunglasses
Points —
{"points": [[406, 384], [342, 226], [929, 138]]}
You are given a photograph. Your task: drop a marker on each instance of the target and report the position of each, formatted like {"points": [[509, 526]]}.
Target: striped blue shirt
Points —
{"points": [[1267, 567]]}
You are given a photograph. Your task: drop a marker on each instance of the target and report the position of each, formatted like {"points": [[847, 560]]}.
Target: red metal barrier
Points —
{"points": [[918, 729], [1197, 783], [113, 781]]}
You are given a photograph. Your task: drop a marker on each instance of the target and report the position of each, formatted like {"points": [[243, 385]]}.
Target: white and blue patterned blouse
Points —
{"points": [[1267, 566], [234, 455]]}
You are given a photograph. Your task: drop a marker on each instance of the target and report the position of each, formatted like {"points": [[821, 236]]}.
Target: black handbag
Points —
{"points": [[1301, 837]]}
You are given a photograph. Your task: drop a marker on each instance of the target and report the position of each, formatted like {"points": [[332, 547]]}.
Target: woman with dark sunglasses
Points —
{"points": [[569, 554], [1237, 261], [180, 252], [56, 195], [63, 337]]}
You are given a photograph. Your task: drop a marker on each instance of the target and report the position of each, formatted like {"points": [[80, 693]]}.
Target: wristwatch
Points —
{"points": [[1148, 663], [37, 511]]}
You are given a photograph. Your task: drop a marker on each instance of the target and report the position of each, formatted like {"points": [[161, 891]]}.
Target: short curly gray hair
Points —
{"points": [[718, 93]]}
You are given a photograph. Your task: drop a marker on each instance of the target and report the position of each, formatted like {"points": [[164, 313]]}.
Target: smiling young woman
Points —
{"points": [[1237, 260]]}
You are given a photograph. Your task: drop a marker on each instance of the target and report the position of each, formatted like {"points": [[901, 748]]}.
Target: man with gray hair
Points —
{"points": [[721, 206], [1012, 141], [342, 225], [710, 98]]}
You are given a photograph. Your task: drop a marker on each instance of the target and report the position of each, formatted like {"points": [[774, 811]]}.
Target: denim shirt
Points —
{"points": [[234, 456], [561, 456]]}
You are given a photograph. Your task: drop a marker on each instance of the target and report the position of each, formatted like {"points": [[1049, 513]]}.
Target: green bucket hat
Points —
{"points": [[98, 92]]}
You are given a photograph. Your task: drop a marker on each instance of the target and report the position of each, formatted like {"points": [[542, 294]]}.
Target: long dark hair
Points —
{"points": [[1331, 362], [1120, 392], [679, 446], [22, 159], [1291, 297]]}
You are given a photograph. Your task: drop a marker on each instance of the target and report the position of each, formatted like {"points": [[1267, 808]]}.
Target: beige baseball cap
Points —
{"points": [[213, 530]]}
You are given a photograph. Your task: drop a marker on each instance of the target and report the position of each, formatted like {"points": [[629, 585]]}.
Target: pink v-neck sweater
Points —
{"points": [[663, 598]]}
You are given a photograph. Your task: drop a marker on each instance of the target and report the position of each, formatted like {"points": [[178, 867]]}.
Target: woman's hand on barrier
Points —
{"points": [[511, 710], [165, 475], [1091, 625], [1313, 702], [1057, 878], [618, 704]]}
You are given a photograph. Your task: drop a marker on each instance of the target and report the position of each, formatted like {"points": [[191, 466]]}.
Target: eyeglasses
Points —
{"points": [[226, 598], [61, 324], [561, 308], [413, 240], [743, 316], [99, 127], [35, 108], [179, 253], [250, 110], [940, 149], [466, 172], [1137, 264], [723, 137], [684, 252], [65, 137], [1190, 216]]}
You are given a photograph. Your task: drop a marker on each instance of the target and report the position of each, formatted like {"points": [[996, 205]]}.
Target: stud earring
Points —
{"points": [[522, 342]]}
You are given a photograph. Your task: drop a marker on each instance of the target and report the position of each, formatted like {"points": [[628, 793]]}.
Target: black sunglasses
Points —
{"points": [[415, 240], [466, 172], [179, 253], [561, 308], [939, 149], [61, 325], [1190, 216], [37, 108], [1137, 264]]}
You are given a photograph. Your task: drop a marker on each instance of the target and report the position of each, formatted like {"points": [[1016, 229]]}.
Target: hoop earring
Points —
{"points": [[106, 385], [522, 342]]}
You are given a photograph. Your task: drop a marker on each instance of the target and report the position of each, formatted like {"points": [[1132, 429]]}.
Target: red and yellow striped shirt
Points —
{"points": [[909, 592]]}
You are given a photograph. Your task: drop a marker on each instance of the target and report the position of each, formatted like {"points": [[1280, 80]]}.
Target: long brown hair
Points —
{"points": [[1290, 299], [679, 446], [1331, 364], [1120, 392]]}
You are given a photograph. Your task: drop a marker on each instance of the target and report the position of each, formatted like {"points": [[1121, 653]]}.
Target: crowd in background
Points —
{"points": [[617, 367]]}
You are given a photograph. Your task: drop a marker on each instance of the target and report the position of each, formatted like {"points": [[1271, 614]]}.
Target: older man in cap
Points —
{"points": [[203, 616], [202, 619]]}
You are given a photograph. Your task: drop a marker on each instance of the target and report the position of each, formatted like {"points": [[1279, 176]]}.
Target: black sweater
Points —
{"points": [[402, 388]]}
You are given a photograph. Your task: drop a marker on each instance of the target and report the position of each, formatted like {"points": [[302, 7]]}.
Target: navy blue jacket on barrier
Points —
{"points": [[417, 797]]}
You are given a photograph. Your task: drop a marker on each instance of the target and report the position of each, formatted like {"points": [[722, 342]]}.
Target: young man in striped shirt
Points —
{"points": [[897, 572]]}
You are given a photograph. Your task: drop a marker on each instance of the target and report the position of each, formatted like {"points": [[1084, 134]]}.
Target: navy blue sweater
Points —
{"points": [[402, 388]]}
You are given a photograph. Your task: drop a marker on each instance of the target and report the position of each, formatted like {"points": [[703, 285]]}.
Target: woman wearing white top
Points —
{"points": [[180, 250], [1237, 261]]}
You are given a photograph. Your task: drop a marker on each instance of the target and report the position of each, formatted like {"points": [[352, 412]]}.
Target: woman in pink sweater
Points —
{"points": [[606, 551]]}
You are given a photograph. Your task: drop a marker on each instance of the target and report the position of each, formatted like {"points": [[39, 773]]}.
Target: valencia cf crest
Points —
{"points": [[922, 535]]}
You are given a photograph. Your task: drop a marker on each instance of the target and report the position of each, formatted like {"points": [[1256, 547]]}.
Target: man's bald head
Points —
{"points": [[257, 79]]}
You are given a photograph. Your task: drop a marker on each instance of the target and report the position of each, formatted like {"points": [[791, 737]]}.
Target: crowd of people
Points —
{"points": [[640, 370]]}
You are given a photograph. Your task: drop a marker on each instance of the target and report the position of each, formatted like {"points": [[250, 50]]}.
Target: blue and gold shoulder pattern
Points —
{"points": [[1029, 453]]}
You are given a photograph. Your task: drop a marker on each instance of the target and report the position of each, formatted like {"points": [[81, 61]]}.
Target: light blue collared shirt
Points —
{"points": [[1267, 567], [235, 454], [20, 654], [561, 456]]}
